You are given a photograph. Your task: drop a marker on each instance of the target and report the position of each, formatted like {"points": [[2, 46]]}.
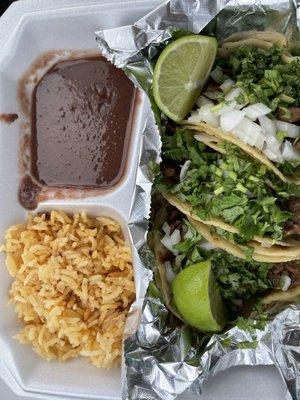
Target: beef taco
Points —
{"points": [[242, 283], [231, 197], [254, 101]]}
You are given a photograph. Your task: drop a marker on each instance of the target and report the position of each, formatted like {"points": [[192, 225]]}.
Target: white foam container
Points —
{"points": [[28, 29]]}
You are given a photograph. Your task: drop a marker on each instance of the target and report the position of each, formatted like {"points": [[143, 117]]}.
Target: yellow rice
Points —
{"points": [[73, 285]]}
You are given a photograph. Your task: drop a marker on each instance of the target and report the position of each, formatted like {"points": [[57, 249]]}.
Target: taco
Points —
{"points": [[243, 283], [253, 101], [232, 197]]}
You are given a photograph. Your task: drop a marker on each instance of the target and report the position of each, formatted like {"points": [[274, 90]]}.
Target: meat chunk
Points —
{"points": [[166, 256], [171, 171], [212, 87], [291, 269], [292, 227], [294, 115]]}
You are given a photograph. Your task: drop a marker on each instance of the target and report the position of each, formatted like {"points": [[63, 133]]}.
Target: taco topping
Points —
{"points": [[292, 226]]}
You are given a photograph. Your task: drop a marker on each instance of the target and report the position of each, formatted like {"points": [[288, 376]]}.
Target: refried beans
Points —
{"points": [[81, 120]]}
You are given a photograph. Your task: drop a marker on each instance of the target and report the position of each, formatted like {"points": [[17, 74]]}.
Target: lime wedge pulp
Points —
{"points": [[181, 72], [197, 298]]}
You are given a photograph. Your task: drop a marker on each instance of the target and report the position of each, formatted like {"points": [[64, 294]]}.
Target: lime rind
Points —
{"points": [[197, 298]]}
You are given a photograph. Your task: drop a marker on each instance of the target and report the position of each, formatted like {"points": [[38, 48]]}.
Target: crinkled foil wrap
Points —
{"points": [[160, 361]]}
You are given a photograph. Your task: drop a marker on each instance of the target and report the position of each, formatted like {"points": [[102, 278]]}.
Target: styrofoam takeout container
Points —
{"points": [[28, 29]]}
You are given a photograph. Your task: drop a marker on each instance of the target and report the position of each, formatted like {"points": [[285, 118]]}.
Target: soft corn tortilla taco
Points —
{"points": [[263, 248], [274, 254], [250, 150], [289, 296], [262, 40], [276, 92], [222, 254]]}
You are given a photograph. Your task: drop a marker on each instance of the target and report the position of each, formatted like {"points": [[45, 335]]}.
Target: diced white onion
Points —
{"points": [[235, 105], [229, 120], [292, 130], [194, 117], [217, 75], [272, 150], [233, 94], [276, 157], [166, 228], [227, 85], [268, 126], [204, 114], [286, 282], [249, 132], [202, 100], [184, 170], [170, 241], [166, 241], [170, 274], [175, 237], [260, 141], [256, 110], [289, 153], [273, 144]]}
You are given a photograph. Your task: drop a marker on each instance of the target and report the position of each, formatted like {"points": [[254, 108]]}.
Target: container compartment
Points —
{"points": [[24, 35]]}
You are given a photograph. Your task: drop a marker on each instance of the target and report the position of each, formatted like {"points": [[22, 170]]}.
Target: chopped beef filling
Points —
{"points": [[212, 87], [166, 256], [292, 227], [175, 222], [292, 118], [170, 127], [292, 269], [171, 171]]}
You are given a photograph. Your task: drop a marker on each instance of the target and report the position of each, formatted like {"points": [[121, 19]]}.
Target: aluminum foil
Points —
{"points": [[162, 358]]}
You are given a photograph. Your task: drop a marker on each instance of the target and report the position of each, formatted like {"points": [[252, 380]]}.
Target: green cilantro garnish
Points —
{"points": [[232, 187], [265, 76], [247, 344], [240, 279], [226, 342]]}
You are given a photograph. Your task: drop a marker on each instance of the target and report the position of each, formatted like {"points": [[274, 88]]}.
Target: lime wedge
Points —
{"points": [[181, 72], [197, 298]]}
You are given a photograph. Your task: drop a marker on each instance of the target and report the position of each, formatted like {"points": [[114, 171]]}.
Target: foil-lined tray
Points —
{"points": [[162, 359]]}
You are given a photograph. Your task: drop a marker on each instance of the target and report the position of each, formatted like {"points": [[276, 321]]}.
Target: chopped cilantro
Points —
{"points": [[291, 168], [232, 186], [264, 76], [258, 320], [240, 279], [226, 342], [247, 344]]}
